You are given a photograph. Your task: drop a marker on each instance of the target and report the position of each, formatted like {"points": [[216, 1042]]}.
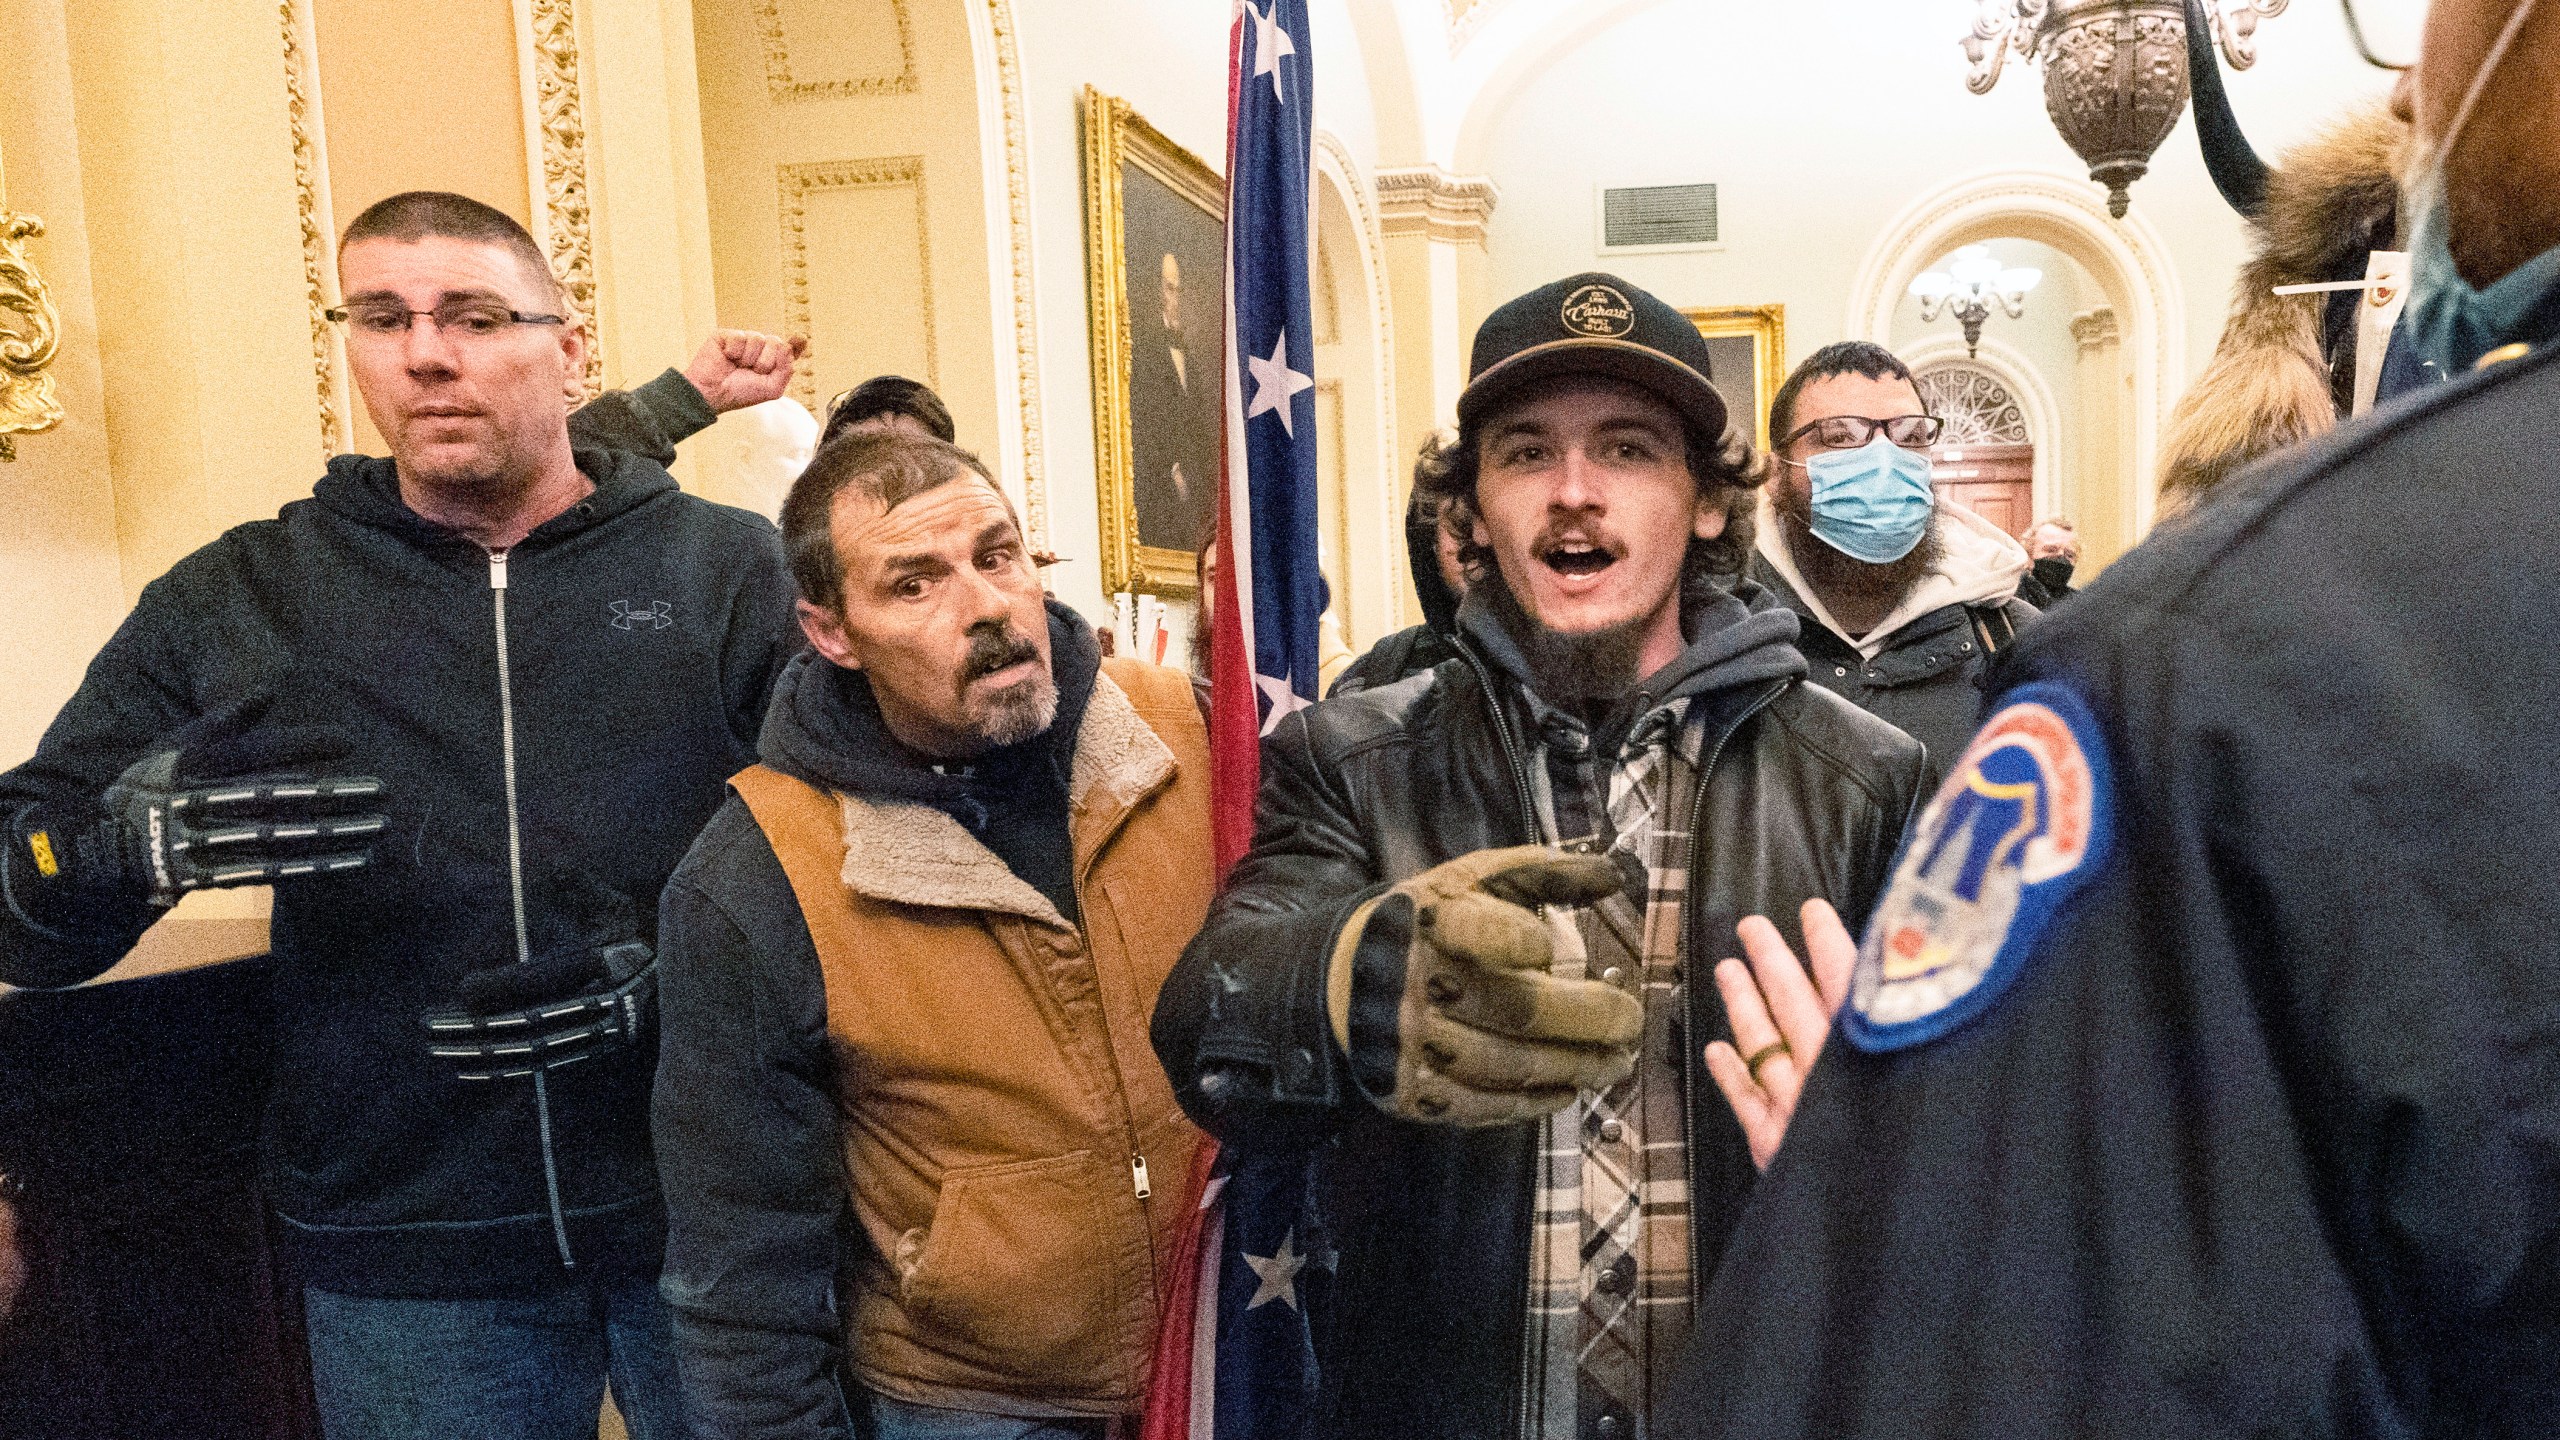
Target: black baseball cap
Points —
{"points": [[1591, 324]]}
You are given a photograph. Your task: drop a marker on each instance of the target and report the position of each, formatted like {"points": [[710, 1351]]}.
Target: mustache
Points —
{"points": [[1556, 533], [992, 647]]}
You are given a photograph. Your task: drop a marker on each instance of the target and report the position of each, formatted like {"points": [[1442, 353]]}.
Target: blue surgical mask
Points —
{"points": [[2448, 323], [1872, 503]]}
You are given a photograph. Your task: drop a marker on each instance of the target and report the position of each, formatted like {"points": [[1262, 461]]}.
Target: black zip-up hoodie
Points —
{"points": [[623, 653]]}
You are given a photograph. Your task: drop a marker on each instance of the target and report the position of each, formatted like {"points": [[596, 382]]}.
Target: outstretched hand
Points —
{"points": [[738, 368], [1780, 1018]]}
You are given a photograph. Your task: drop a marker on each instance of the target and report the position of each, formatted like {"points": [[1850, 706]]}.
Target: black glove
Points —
{"points": [[556, 1009], [226, 800]]}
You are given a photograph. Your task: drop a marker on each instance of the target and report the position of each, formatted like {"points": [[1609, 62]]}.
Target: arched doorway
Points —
{"points": [[2136, 359]]}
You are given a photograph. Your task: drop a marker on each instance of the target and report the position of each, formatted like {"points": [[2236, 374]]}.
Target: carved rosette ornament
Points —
{"points": [[30, 330], [2115, 71]]}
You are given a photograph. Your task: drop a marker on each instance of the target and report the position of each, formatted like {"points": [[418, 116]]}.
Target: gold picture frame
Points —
{"points": [[1765, 327], [1156, 405]]}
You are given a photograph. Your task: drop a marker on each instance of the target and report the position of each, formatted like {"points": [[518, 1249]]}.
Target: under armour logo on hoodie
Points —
{"points": [[656, 614]]}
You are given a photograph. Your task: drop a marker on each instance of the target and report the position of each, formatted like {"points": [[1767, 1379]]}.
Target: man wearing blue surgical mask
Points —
{"points": [[1902, 595]]}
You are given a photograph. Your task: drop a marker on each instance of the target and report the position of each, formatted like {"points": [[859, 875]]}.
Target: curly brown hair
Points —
{"points": [[1727, 467]]}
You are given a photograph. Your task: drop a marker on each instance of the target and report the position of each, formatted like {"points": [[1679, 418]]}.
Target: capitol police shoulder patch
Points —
{"points": [[2023, 821]]}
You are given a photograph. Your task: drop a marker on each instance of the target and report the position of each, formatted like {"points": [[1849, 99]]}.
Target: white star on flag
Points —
{"points": [[1275, 384], [1279, 1274], [1270, 42]]}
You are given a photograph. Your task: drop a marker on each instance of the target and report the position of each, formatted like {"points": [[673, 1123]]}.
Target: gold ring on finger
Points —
{"points": [[1763, 1056]]}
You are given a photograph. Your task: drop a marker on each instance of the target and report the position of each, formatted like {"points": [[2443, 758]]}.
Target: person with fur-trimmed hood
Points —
{"points": [[2285, 369]]}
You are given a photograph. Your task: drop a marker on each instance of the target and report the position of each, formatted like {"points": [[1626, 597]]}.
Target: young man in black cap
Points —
{"points": [[1528, 1180]]}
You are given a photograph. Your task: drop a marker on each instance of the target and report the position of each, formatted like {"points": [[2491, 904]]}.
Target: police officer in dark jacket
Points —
{"points": [[1374, 979], [464, 708], [2203, 1051]]}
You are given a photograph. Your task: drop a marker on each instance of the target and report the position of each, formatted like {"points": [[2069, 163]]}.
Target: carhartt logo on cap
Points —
{"points": [[1598, 310]]}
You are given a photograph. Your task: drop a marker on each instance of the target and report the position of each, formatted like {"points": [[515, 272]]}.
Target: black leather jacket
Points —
{"points": [[1801, 795], [1927, 682]]}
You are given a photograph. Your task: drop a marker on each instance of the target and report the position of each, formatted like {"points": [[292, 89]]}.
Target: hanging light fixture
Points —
{"points": [[2115, 71], [1973, 283]]}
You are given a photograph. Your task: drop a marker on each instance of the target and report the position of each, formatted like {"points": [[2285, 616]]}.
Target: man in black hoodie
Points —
{"points": [[465, 708], [1529, 1178]]}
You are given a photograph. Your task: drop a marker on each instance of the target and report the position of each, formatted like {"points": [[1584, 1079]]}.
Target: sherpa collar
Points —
{"points": [[913, 854]]}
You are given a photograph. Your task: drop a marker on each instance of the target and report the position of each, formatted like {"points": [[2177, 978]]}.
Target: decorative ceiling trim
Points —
{"points": [[1427, 200], [556, 149], [311, 197], [798, 182], [1026, 333], [778, 78]]}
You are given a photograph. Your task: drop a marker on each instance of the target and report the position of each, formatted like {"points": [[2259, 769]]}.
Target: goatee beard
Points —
{"points": [[1569, 671], [1840, 580], [1018, 711]]}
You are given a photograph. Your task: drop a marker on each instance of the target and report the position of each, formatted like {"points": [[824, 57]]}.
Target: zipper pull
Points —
{"points": [[497, 569], [1138, 1172]]}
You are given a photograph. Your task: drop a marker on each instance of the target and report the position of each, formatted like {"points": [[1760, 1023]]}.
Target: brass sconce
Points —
{"points": [[30, 331]]}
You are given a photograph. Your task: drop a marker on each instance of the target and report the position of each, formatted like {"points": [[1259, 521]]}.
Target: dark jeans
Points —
{"points": [[881, 1418], [526, 1368]]}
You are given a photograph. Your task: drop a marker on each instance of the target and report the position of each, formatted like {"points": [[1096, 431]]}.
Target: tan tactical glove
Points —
{"points": [[1439, 994]]}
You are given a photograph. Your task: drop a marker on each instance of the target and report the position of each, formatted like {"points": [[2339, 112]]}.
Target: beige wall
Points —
{"points": [[380, 69], [61, 573], [843, 155], [422, 98]]}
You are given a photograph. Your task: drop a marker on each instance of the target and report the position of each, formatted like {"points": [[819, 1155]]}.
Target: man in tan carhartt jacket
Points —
{"points": [[920, 1161]]}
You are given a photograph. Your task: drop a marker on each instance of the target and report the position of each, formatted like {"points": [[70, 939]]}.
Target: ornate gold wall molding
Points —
{"points": [[556, 139], [1026, 334], [30, 332], [783, 85], [798, 182], [1427, 200], [310, 184]]}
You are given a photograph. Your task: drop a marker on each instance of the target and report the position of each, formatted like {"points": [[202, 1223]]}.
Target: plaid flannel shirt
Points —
{"points": [[1610, 1258]]}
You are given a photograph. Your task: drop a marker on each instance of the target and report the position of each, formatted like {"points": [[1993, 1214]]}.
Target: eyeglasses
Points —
{"points": [[1848, 432], [454, 319]]}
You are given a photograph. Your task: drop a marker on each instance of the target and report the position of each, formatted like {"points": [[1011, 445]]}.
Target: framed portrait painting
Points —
{"points": [[1155, 262], [1747, 345]]}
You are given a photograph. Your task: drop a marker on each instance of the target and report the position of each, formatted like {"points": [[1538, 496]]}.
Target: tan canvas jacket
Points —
{"points": [[1014, 1152]]}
